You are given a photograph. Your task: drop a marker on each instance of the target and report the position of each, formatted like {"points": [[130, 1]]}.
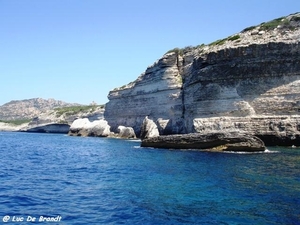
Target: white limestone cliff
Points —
{"points": [[156, 93], [249, 81]]}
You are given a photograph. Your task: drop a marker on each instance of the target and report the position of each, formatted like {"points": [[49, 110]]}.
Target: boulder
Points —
{"points": [[223, 141], [126, 132], [99, 128], [149, 129], [83, 127]]}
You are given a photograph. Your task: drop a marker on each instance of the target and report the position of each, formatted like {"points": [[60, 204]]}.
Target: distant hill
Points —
{"points": [[29, 108]]}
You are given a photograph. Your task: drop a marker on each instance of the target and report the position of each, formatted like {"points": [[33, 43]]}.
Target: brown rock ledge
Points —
{"points": [[229, 141]]}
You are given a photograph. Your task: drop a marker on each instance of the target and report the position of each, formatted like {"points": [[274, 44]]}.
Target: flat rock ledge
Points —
{"points": [[211, 141]]}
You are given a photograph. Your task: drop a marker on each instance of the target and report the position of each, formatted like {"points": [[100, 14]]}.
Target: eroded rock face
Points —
{"points": [[156, 93], [224, 141], [248, 82], [126, 132], [253, 89], [149, 129], [273, 130], [49, 128]]}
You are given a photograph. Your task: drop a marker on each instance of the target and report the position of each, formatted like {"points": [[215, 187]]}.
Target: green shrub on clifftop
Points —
{"points": [[249, 28], [178, 51], [274, 23], [218, 42], [233, 38], [16, 122], [72, 110]]}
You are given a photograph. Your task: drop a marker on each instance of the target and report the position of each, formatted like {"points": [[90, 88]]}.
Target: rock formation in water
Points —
{"points": [[125, 132], [247, 82], [98, 128], [216, 141], [84, 127], [149, 129], [59, 120]]}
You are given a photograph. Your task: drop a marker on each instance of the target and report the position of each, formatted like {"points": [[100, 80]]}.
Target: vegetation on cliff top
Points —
{"points": [[283, 22], [290, 22], [72, 110], [16, 122], [222, 41], [178, 51], [181, 51]]}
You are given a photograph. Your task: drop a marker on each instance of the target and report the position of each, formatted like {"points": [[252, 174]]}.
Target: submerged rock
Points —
{"points": [[211, 141]]}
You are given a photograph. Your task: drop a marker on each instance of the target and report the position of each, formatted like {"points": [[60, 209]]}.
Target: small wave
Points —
{"points": [[134, 140], [137, 146], [267, 151]]}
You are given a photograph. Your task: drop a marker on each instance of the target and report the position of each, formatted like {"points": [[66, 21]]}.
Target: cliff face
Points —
{"points": [[157, 93], [258, 80], [248, 82]]}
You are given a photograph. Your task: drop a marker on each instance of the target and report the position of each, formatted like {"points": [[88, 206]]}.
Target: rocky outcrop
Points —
{"points": [[210, 141], [126, 132], [99, 128], [258, 80], [249, 82], [49, 128], [58, 120], [257, 87], [149, 129], [84, 127], [273, 130], [156, 93]]}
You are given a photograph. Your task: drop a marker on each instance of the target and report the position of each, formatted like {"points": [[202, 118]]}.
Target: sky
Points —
{"points": [[78, 50]]}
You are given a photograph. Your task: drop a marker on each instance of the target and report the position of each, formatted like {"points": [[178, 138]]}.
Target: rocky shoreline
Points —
{"points": [[248, 83]]}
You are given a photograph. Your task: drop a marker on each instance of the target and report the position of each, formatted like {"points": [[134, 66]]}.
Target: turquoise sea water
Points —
{"points": [[74, 180]]}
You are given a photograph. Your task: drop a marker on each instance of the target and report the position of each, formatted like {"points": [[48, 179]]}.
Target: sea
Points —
{"points": [[58, 179]]}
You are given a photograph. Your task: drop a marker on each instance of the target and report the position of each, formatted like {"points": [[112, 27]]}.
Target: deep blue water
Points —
{"points": [[112, 181]]}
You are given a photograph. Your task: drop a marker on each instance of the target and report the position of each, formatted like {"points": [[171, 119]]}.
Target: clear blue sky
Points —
{"points": [[78, 50]]}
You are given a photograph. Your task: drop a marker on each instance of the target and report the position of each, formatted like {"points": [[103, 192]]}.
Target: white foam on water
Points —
{"points": [[267, 151], [134, 140]]}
